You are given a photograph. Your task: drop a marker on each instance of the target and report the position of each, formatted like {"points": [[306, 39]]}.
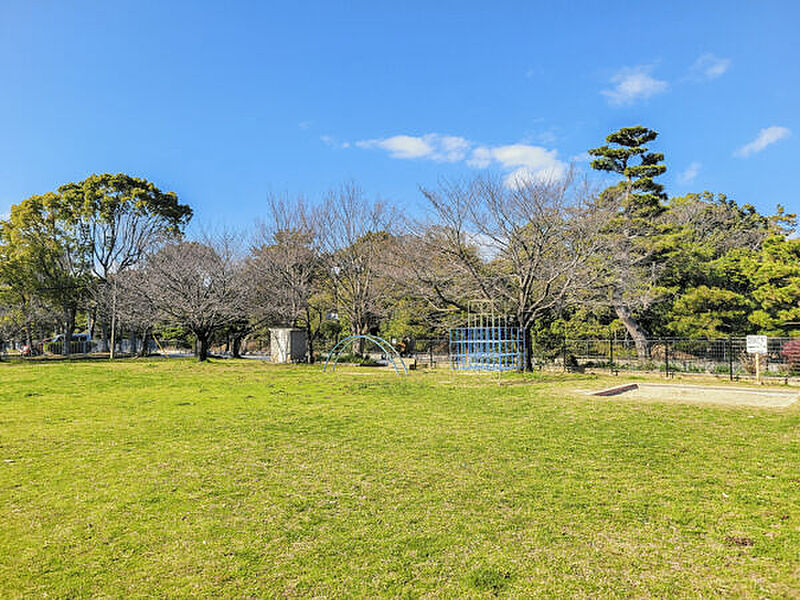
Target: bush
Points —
{"points": [[791, 354]]}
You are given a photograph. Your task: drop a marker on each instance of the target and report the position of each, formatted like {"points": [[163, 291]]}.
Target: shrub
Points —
{"points": [[791, 354]]}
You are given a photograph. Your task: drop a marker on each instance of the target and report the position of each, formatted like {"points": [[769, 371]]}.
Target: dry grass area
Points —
{"points": [[729, 395]]}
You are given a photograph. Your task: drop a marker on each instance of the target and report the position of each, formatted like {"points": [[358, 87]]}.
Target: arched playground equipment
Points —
{"points": [[489, 342], [381, 343]]}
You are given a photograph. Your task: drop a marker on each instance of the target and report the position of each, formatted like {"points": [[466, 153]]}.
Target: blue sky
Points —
{"points": [[225, 102]]}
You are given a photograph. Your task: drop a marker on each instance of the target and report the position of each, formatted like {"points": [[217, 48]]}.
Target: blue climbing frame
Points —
{"points": [[493, 348]]}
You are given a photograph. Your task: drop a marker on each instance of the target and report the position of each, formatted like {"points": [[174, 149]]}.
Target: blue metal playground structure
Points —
{"points": [[487, 343]]}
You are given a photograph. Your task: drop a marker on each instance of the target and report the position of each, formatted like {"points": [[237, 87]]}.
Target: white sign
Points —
{"points": [[756, 344]]}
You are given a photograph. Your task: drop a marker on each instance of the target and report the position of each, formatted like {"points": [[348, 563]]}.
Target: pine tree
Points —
{"points": [[634, 233], [642, 197]]}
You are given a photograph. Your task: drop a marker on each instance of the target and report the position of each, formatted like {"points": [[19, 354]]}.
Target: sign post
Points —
{"points": [[757, 344]]}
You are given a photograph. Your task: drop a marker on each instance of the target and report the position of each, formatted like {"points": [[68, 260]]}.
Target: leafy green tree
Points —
{"points": [[710, 312], [634, 235], [17, 285], [58, 245], [42, 242], [642, 196], [708, 274], [776, 277], [121, 218]]}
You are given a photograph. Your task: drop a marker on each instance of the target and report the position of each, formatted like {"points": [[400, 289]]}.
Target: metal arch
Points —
{"points": [[381, 343]]}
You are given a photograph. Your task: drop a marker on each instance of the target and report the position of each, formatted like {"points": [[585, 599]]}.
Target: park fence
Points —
{"points": [[724, 357], [670, 355]]}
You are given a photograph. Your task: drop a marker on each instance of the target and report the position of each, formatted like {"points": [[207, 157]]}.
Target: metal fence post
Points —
{"points": [[666, 358], [611, 355], [730, 357]]}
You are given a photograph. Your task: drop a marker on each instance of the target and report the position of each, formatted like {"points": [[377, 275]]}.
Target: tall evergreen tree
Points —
{"points": [[642, 196], [634, 243]]}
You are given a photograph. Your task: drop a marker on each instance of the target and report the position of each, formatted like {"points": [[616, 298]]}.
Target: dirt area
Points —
{"points": [[730, 396]]}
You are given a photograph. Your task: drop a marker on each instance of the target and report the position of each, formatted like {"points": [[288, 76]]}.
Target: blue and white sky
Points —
{"points": [[226, 102]]}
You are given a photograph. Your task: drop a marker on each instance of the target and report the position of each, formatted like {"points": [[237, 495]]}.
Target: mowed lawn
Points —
{"points": [[245, 480]]}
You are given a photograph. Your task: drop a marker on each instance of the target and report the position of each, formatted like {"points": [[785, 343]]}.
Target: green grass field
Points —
{"points": [[240, 479]]}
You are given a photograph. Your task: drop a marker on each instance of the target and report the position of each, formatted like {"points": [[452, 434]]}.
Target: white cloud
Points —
{"points": [[521, 162], [481, 158], [527, 163], [331, 141], [432, 146], [708, 67], [765, 137], [691, 172], [633, 83], [524, 176]]}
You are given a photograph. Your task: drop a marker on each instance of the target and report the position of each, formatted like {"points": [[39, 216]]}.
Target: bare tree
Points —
{"points": [[357, 242], [134, 307], [198, 286], [527, 249], [284, 269]]}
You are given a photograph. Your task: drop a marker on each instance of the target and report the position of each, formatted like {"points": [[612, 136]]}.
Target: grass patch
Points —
{"points": [[241, 479]]}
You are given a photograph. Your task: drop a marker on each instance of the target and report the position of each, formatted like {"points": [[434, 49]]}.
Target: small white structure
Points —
{"points": [[287, 345]]}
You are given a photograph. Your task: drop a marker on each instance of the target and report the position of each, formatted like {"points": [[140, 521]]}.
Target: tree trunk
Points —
{"points": [[310, 347], [91, 319], [69, 327], [360, 328], [309, 339], [202, 344], [145, 337], [237, 346], [633, 328], [527, 334]]}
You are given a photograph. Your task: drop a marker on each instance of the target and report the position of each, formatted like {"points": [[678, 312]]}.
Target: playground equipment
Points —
{"points": [[489, 342], [391, 354]]}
